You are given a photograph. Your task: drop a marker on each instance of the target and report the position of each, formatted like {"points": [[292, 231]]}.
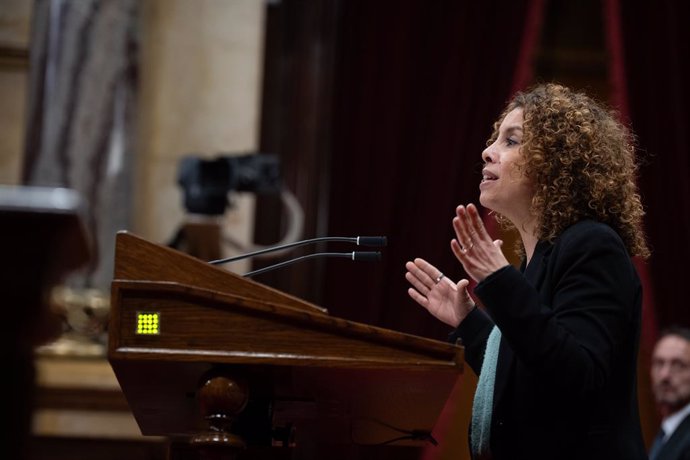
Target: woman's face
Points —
{"points": [[504, 188]]}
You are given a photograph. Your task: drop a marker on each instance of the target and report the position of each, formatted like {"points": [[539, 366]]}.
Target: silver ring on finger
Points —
{"points": [[439, 278]]}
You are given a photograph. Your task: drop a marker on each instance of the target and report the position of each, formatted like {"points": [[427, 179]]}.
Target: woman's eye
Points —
{"points": [[511, 142]]}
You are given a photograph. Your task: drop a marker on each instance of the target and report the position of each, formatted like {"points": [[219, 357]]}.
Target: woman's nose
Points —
{"points": [[488, 155]]}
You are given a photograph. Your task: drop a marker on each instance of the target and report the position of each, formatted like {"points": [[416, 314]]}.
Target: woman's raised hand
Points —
{"points": [[479, 255], [446, 300]]}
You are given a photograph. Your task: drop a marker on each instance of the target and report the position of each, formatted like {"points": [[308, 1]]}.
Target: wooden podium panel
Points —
{"points": [[44, 239], [323, 377]]}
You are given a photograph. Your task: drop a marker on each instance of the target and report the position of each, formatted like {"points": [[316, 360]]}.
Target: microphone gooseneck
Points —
{"points": [[371, 241], [357, 256]]}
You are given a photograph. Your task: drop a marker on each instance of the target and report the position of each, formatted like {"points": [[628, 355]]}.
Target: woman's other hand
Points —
{"points": [[479, 255], [446, 300]]}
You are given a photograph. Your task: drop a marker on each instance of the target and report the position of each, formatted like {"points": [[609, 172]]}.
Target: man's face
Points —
{"points": [[671, 373]]}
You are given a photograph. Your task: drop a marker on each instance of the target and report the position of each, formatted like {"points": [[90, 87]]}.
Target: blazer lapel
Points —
{"points": [[534, 273], [536, 270]]}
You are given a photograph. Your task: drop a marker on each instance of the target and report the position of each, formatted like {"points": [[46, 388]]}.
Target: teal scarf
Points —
{"points": [[484, 397]]}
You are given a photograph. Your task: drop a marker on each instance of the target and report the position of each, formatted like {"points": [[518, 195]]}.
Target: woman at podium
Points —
{"points": [[555, 341]]}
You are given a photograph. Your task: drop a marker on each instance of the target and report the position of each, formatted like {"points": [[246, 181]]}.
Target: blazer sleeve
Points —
{"points": [[570, 335], [473, 333]]}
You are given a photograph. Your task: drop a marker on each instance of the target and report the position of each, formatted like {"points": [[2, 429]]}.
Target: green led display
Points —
{"points": [[148, 323]]}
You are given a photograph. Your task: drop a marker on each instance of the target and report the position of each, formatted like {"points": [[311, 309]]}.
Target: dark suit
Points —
{"points": [[677, 447], [570, 323]]}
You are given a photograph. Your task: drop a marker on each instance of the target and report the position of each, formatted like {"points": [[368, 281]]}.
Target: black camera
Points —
{"points": [[207, 182]]}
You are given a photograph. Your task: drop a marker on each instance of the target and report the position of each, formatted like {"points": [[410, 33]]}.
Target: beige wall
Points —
{"points": [[200, 90], [15, 20], [13, 97]]}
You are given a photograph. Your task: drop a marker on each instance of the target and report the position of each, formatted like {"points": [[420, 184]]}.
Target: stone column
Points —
{"points": [[80, 114]]}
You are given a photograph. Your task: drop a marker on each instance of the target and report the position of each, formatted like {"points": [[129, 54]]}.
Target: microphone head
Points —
{"points": [[366, 255], [375, 241]]}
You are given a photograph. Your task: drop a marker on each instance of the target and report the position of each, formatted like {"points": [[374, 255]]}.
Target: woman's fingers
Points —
{"points": [[424, 277], [469, 227], [457, 249], [477, 224], [439, 295], [424, 271], [420, 286], [461, 227], [478, 253], [419, 298]]}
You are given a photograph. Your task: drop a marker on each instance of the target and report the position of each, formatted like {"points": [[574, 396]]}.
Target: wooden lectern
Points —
{"points": [[228, 363]]}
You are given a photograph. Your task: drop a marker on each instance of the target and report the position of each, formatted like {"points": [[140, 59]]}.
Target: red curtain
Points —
{"points": [[619, 99], [653, 75], [649, 70], [420, 85]]}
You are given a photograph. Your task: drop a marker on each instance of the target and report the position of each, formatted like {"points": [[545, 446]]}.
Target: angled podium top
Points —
{"points": [[137, 259], [349, 381]]}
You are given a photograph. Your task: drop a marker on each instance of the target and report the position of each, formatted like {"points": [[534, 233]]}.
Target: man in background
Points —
{"points": [[670, 374]]}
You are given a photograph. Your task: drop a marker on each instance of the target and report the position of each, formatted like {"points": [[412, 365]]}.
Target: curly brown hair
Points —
{"points": [[581, 161]]}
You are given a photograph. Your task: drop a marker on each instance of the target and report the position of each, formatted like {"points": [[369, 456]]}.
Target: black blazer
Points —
{"points": [[566, 373], [677, 447]]}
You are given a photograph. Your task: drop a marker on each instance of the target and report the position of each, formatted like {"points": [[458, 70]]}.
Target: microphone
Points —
{"points": [[371, 241], [361, 255]]}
